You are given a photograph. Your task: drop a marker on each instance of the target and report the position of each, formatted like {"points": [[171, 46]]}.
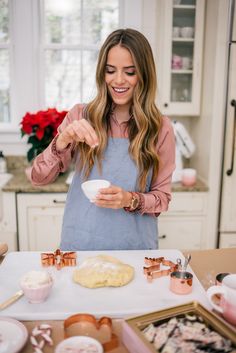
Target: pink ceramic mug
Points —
{"points": [[227, 306], [189, 177]]}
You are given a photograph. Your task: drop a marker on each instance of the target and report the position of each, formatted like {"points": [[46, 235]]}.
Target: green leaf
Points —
{"points": [[30, 154]]}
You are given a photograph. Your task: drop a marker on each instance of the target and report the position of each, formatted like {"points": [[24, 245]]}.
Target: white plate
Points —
{"points": [[13, 335]]}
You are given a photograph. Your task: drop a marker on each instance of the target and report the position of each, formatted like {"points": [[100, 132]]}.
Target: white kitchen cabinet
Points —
{"points": [[8, 228], [181, 56], [183, 226], [40, 220]]}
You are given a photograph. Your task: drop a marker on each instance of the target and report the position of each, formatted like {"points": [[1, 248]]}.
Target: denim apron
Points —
{"points": [[89, 227]]}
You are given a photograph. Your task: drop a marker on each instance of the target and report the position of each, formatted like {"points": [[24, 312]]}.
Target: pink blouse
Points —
{"points": [[51, 162]]}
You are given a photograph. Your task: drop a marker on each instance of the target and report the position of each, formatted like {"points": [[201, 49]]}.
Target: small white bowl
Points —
{"points": [[36, 292], [83, 343], [92, 187]]}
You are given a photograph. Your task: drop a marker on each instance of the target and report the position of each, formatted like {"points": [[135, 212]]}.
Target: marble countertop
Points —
{"points": [[200, 186], [19, 182], [17, 166]]}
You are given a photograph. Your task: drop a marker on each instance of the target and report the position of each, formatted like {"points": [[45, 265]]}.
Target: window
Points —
{"points": [[72, 32], [53, 60], [4, 62]]}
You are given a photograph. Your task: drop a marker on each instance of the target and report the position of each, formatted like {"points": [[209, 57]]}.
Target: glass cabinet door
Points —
{"points": [[183, 51], [183, 26]]}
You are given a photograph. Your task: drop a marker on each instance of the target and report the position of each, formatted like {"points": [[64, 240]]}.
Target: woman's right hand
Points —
{"points": [[77, 131]]}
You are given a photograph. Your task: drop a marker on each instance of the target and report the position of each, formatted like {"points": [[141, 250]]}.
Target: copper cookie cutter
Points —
{"points": [[154, 267], [88, 325], [58, 259]]}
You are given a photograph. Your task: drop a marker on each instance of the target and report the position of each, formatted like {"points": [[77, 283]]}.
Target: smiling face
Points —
{"points": [[120, 77]]}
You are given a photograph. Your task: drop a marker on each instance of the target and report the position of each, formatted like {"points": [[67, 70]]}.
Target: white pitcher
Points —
{"points": [[227, 305]]}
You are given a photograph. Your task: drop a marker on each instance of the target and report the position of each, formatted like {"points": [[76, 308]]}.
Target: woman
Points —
{"points": [[120, 136]]}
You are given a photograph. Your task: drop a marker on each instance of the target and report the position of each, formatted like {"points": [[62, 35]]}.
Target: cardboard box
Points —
{"points": [[135, 341]]}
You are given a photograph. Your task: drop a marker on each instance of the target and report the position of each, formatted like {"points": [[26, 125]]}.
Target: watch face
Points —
{"points": [[134, 203]]}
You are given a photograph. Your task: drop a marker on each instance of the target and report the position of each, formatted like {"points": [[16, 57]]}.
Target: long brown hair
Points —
{"points": [[146, 122]]}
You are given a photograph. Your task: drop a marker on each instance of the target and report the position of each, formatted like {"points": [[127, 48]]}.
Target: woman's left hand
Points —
{"points": [[113, 197]]}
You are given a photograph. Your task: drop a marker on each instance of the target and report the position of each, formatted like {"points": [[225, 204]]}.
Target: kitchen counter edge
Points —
{"points": [[20, 184]]}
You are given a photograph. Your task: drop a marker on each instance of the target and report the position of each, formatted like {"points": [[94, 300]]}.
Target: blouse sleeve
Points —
{"points": [[157, 199], [48, 164]]}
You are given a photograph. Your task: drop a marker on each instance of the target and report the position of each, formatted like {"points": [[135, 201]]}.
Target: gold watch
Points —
{"points": [[134, 202]]}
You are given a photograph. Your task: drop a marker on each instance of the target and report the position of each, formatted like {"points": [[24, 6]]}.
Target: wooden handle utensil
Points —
{"points": [[11, 300]]}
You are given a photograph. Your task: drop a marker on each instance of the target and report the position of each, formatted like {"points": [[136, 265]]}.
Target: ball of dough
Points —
{"points": [[103, 271]]}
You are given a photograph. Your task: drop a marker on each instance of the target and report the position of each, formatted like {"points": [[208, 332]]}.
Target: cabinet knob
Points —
{"points": [[162, 236], [59, 202], [165, 105]]}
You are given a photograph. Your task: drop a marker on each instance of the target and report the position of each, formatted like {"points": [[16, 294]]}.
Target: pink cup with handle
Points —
{"points": [[227, 305]]}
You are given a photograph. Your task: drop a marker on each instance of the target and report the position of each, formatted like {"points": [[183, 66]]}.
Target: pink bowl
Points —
{"points": [[37, 295]]}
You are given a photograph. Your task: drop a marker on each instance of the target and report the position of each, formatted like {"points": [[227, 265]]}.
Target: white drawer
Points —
{"points": [[178, 233], [188, 202], [43, 199]]}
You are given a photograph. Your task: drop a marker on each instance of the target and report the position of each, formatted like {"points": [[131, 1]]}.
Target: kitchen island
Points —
{"points": [[206, 264]]}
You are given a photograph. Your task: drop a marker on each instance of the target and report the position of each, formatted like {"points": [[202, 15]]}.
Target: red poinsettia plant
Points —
{"points": [[41, 128]]}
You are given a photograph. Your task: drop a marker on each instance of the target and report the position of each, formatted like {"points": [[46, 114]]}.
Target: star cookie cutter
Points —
{"points": [[153, 270]]}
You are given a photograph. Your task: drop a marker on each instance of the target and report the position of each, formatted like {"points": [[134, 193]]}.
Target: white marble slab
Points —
{"points": [[68, 298]]}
